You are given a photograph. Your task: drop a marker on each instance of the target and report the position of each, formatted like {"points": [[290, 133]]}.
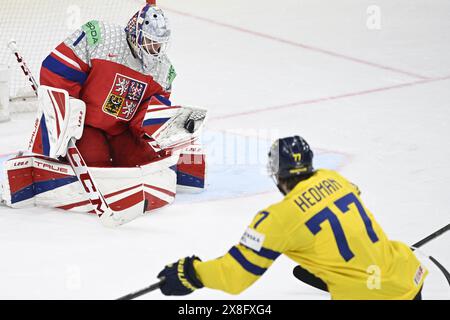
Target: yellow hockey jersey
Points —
{"points": [[323, 226]]}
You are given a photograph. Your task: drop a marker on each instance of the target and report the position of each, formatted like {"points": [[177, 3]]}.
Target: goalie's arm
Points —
{"points": [[153, 112]]}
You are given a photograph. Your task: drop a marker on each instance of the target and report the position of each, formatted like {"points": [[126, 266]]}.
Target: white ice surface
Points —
{"points": [[375, 104]]}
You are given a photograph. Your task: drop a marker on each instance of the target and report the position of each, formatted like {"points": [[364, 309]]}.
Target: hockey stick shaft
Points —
{"points": [[442, 268], [437, 263], [108, 217], [427, 239], [420, 243], [431, 236], [96, 198], [141, 292]]}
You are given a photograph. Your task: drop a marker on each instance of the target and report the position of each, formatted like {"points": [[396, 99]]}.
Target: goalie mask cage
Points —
{"points": [[38, 27]]}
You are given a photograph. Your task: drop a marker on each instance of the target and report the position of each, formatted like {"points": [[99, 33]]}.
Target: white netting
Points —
{"points": [[39, 26]]}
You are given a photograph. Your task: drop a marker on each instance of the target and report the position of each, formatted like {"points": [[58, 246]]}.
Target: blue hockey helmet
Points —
{"points": [[289, 157]]}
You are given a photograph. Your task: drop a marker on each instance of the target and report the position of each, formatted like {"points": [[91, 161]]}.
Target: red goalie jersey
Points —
{"points": [[98, 65]]}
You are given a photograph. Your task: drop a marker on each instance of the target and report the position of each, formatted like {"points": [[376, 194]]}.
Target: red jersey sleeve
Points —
{"points": [[148, 118], [67, 66]]}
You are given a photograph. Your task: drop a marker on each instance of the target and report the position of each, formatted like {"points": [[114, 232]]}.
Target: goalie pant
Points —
{"points": [[42, 181]]}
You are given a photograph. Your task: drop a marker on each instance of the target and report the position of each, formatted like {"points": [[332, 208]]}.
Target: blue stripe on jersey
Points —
{"points": [[163, 100], [150, 122], [247, 265], [44, 137], [79, 39], [267, 253], [64, 71], [160, 98]]}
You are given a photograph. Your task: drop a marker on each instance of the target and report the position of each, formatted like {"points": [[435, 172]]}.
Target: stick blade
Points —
{"points": [[113, 219]]}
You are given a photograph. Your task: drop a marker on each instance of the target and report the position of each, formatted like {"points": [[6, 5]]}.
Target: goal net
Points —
{"points": [[38, 27]]}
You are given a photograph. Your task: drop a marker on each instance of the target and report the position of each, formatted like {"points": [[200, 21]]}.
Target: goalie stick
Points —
{"points": [[108, 217], [13, 46]]}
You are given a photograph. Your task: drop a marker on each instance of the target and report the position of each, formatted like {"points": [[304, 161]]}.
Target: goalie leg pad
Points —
{"points": [[46, 182], [29, 180], [191, 169]]}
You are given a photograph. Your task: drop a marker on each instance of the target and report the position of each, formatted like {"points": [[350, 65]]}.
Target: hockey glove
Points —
{"points": [[180, 278]]}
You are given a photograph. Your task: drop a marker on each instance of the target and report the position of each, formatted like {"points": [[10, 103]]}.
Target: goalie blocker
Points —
{"points": [[39, 178]]}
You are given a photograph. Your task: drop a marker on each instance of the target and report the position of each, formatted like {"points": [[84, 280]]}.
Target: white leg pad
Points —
{"points": [[42, 181]]}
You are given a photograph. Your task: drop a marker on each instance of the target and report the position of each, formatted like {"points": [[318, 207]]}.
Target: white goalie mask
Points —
{"points": [[148, 33]]}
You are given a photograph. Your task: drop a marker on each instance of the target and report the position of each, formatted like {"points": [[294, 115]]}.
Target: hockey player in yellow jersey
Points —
{"points": [[321, 224]]}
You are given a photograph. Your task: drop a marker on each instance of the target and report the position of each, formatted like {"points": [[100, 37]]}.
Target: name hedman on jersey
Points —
{"points": [[317, 193]]}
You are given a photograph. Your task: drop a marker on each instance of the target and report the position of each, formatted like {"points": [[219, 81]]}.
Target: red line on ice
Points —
{"points": [[297, 44], [330, 98]]}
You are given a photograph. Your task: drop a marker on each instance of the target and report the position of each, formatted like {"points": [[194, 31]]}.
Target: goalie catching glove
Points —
{"points": [[195, 120], [168, 127], [180, 130], [180, 278]]}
